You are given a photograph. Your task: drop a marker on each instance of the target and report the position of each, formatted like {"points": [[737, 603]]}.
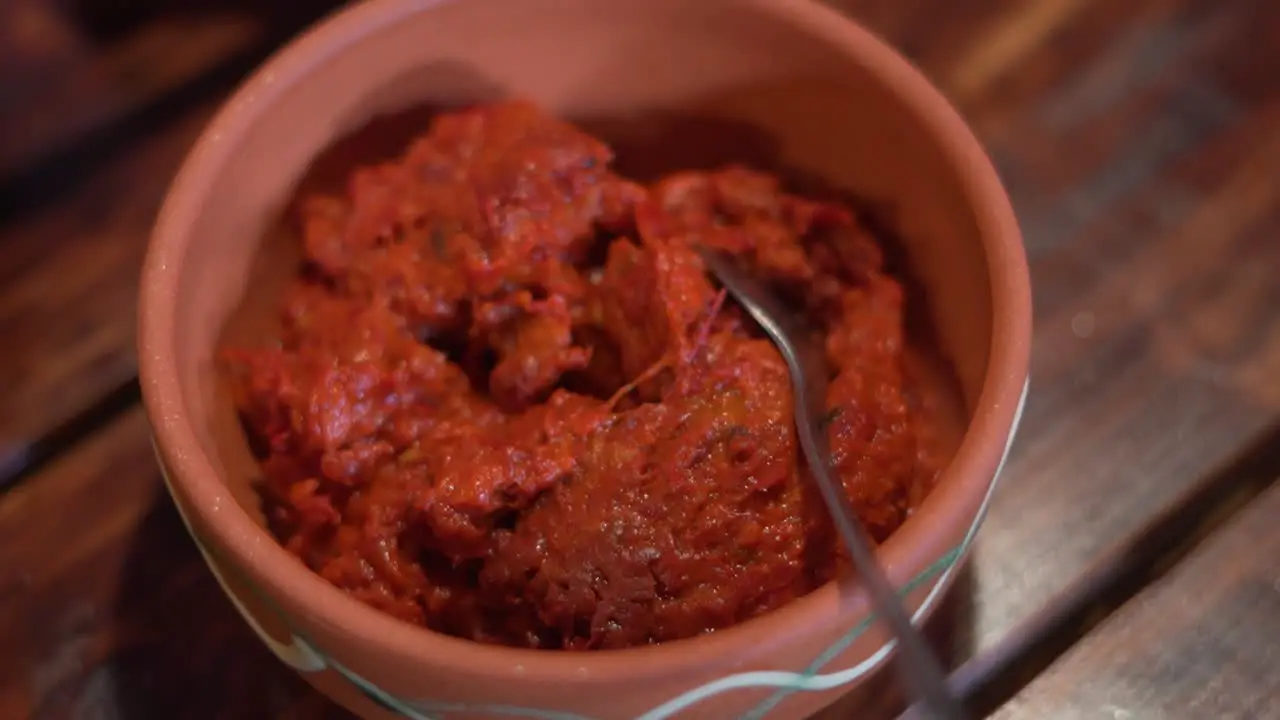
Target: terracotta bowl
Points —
{"points": [[784, 83]]}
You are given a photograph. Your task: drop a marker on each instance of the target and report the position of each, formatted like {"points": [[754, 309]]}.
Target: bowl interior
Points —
{"points": [[672, 84]]}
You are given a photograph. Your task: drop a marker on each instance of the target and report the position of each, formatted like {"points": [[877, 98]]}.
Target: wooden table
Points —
{"points": [[1130, 567]]}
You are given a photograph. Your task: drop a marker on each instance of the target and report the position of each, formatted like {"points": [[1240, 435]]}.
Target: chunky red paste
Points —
{"points": [[508, 404]]}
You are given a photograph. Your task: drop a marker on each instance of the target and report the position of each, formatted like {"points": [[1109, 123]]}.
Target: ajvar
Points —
{"points": [[507, 402]]}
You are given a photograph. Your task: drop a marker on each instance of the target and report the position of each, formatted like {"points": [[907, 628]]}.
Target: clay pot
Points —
{"points": [[786, 84]]}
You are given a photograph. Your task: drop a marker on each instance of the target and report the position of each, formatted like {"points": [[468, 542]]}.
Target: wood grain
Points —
{"points": [[1139, 141], [106, 609], [57, 82], [68, 288], [1147, 552], [1204, 642], [99, 101]]}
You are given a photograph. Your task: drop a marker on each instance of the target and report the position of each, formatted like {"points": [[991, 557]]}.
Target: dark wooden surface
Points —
{"points": [[1201, 642], [106, 610], [1127, 568]]}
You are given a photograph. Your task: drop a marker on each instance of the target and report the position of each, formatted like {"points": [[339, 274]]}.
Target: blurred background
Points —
{"points": [[1130, 567]]}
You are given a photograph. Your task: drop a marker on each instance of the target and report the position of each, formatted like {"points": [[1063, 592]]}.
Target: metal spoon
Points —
{"points": [[919, 669]]}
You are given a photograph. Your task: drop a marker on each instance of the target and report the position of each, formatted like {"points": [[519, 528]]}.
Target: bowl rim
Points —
{"points": [[962, 484]]}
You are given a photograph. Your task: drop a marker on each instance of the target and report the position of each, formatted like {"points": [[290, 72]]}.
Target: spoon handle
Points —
{"points": [[918, 667]]}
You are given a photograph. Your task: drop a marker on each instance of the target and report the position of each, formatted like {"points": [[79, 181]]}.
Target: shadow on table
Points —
{"points": [[179, 649]]}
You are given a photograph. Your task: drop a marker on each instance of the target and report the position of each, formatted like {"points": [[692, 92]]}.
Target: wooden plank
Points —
{"points": [[1033, 643], [1203, 642], [104, 100], [1139, 141], [68, 287], [106, 609], [59, 82]]}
